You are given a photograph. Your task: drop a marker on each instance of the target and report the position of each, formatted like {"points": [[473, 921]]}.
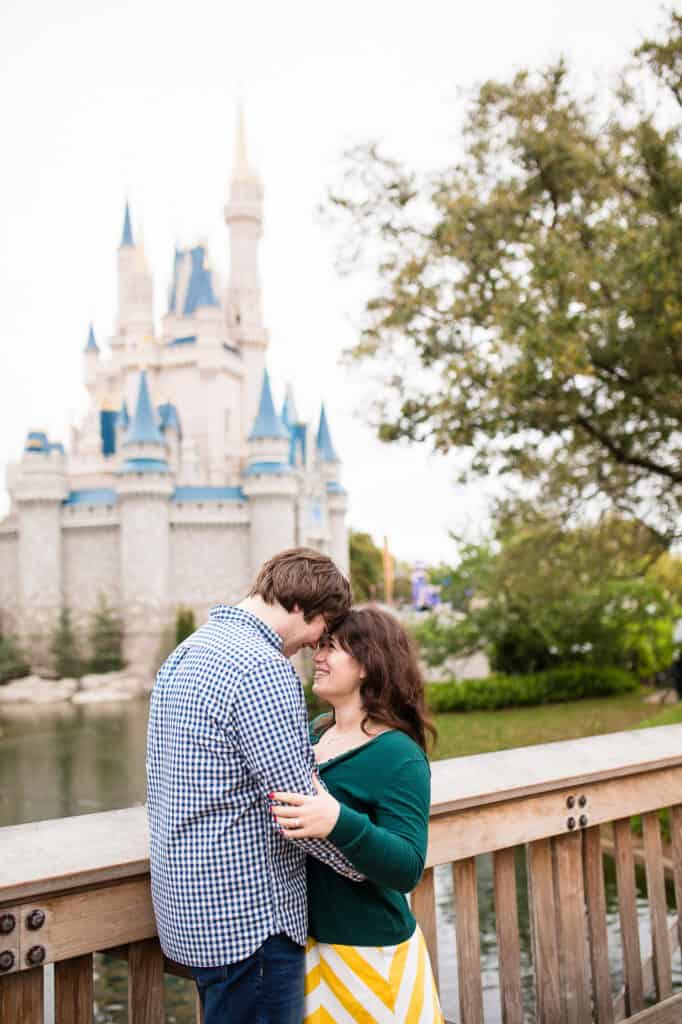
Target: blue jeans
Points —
{"points": [[265, 988]]}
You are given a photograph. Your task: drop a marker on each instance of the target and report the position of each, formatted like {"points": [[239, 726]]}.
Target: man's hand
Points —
{"points": [[306, 817]]}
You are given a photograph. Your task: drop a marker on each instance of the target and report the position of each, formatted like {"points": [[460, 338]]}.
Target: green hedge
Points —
{"points": [[570, 682]]}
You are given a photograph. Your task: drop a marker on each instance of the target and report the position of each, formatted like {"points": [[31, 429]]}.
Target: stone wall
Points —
{"points": [[209, 565], [91, 568], [9, 582]]}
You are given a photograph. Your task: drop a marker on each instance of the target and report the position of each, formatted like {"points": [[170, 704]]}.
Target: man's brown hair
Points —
{"points": [[307, 578]]}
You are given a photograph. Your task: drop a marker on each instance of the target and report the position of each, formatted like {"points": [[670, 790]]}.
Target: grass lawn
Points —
{"points": [[475, 732]]}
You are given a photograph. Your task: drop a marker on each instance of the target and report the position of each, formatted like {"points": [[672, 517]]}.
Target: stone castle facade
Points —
{"points": [[183, 477]]}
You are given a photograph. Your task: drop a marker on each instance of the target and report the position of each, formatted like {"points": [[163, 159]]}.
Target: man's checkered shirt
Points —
{"points": [[227, 726]]}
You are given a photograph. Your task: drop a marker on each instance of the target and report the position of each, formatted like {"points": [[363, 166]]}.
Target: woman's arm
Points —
{"points": [[391, 850]]}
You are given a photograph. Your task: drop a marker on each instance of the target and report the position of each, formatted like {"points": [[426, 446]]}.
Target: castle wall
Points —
{"points": [[273, 527], [144, 566], [91, 568], [209, 565], [9, 582], [40, 577]]}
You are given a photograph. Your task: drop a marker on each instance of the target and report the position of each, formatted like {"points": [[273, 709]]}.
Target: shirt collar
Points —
{"points": [[228, 613]]}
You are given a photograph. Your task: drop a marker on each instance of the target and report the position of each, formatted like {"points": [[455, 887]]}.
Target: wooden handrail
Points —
{"points": [[67, 853], [88, 876]]}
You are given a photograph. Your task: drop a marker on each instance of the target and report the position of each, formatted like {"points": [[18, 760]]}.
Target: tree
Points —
{"points": [[528, 305], [366, 567], [185, 624], [549, 596], [67, 658], [13, 661], [106, 638]]}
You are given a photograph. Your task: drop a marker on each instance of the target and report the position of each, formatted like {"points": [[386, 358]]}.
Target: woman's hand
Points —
{"points": [[306, 817]]}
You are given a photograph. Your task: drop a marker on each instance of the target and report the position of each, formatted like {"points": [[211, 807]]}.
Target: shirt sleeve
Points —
{"points": [[271, 725], [390, 848]]}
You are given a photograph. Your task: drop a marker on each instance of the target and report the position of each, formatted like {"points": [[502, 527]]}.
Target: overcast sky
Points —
{"points": [[99, 101]]}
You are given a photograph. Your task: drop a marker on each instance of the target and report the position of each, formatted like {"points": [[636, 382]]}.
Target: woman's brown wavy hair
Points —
{"points": [[393, 688]]}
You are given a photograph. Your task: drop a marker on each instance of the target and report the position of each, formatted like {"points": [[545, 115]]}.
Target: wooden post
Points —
{"points": [[21, 997], [424, 909], [596, 920], [145, 983], [655, 884], [575, 979], [73, 991], [507, 928], [468, 941], [543, 915], [676, 831], [627, 909]]}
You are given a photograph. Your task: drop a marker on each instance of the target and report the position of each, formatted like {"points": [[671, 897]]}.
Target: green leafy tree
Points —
{"points": [[13, 662], [185, 624], [549, 596], [366, 567], [106, 639], [528, 305], [65, 650]]}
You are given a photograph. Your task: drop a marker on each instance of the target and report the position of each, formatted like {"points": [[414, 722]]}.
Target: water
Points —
{"points": [[66, 760]]}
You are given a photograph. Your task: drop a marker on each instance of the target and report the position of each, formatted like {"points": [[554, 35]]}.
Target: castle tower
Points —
{"points": [[270, 483], [91, 360], [244, 218], [39, 490], [144, 486], [337, 502], [135, 287]]}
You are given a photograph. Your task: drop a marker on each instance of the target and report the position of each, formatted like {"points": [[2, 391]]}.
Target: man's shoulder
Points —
{"points": [[241, 649]]}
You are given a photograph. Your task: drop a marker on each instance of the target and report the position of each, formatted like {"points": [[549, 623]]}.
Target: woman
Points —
{"points": [[366, 958]]}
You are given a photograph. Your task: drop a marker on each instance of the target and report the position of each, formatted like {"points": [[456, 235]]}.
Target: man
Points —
{"points": [[227, 727]]}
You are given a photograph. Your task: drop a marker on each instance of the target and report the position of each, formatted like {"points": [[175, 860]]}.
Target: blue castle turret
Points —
{"points": [[325, 447], [144, 439], [91, 345], [267, 424]]}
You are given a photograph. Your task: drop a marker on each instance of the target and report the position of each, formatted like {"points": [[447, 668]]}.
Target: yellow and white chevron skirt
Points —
{"points": [[370, 984]]}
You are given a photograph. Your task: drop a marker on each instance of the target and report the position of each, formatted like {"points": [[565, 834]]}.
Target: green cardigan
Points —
{"points": [[384, 788]]}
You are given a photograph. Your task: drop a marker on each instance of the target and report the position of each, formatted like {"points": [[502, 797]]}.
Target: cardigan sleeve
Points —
{"points": [[390, 850]]}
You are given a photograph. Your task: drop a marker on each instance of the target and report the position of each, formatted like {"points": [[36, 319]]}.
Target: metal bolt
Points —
{"points": [[35, 920], [570, 824], [6, 961], [583, 820], [582, 800], [7, 923], [35, 956], [570, 802]]}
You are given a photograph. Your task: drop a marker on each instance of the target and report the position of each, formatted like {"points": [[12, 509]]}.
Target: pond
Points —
{"points": [[66, 760]]}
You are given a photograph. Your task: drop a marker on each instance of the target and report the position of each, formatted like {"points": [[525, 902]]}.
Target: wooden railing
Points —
{"points": [[72, 887]]}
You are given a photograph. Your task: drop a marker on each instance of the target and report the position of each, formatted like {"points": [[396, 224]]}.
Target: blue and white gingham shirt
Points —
{"points": [[227, 726]]}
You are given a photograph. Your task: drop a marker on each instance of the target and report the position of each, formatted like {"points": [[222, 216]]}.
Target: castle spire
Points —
{"points": [[325, 447], [267, 424], [144, 428], [127, 235], [91, 345], [289, 411], [242, 170]]}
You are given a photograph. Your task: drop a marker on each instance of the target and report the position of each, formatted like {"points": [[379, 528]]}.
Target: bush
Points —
{"points": [[13, 662], [570, 682], [185, 624], [106, 637], [67, 660]]}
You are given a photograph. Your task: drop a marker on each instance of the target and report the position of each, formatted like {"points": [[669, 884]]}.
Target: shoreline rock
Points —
{"points": [[94, 688]]}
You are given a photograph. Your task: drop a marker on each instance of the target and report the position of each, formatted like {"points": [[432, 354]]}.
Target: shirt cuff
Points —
{"points": [[349, 827]]}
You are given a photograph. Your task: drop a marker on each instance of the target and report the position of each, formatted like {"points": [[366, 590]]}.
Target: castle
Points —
{"points": [[182, 477]]}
